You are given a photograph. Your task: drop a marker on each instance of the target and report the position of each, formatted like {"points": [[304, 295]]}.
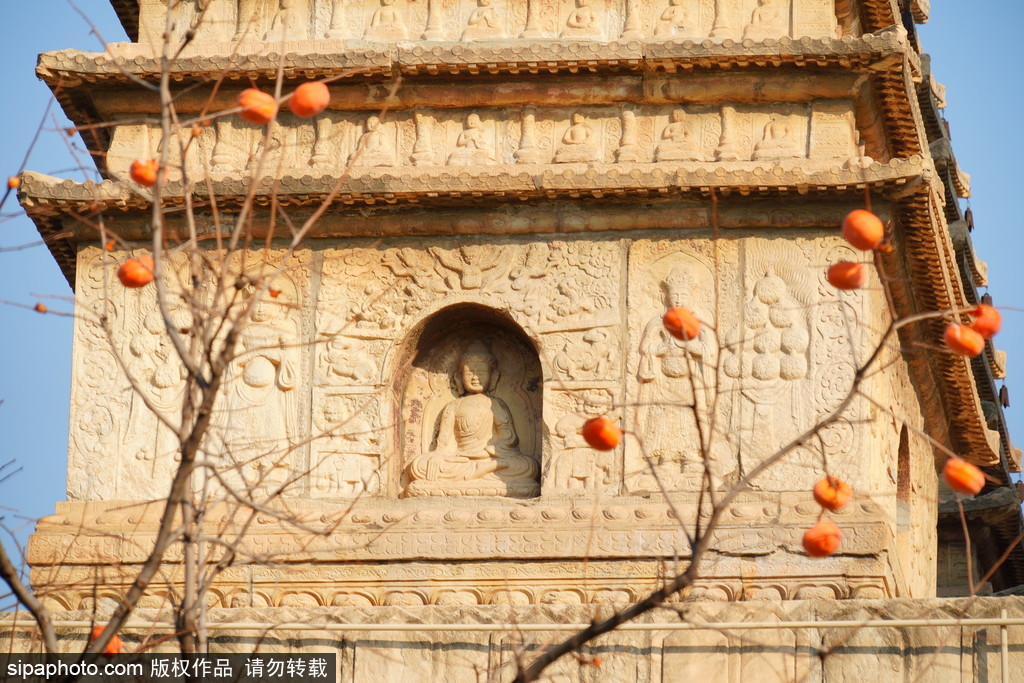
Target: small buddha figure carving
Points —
{"points": [[676, 20], [471, 148], [577, 142], [483, 23], [678, 141], [766, 21], [582, 21], [372, 148], [386, 23], [477, 448], [778, 141]]}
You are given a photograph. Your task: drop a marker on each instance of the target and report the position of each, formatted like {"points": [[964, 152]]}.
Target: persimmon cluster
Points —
{"points": [[824, 538], [865, 231]]}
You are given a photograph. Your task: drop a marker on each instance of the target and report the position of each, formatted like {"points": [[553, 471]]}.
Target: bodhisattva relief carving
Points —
{"points": [[632, 134], [258, 421], [677, 382], [160, 375], [475, 448]]}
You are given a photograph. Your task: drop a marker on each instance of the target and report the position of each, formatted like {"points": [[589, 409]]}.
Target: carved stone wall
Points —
{"points": [[366, 650], [351, 379], [818, 131], [393, 21]]}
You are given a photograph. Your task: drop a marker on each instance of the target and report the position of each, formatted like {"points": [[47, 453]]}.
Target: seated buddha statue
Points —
{"points": [[778, 141], [471, 148], [577, 142], [477, 451], [679, 141]]}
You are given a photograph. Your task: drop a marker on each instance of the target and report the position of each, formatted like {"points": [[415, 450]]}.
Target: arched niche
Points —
{"points": [[470, 407]]}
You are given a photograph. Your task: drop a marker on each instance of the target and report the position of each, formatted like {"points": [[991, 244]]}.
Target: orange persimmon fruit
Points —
{"points": [[681, 324], [863, 230], [257, 106], [601, 433], [13, 182], [963, 477], [987, 320], [309, 99], [144, 171], [847, 275], [822, 539], [40, 307], [963, 340], [113, 646], [832, 493], [136, 272]]}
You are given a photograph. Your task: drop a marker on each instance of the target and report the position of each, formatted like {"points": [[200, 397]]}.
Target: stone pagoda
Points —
{"points": [[516, 190]]}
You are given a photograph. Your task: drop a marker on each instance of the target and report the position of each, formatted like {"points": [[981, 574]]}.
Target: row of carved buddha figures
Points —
{"points": [[682, 138], [492, 20]]}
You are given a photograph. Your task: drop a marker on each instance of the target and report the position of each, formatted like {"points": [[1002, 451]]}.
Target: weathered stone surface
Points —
{"points": [[366, 649]]}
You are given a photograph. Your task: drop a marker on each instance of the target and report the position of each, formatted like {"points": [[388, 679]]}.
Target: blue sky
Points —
{"points": [[973, 53]]}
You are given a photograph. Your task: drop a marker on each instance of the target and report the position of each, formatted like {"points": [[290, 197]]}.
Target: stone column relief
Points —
{"points": [[728, 145], [633, 27], [422, 151], [435, 22], [528, 152], [724, 26], [533, 29]]}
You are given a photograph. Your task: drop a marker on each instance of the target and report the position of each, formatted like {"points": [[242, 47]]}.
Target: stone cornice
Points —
{"points": [[621, 527], [333, 58]]}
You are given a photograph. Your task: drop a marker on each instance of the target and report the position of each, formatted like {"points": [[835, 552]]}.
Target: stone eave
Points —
{"points": [[339, 58], [920, 9], [932, 98], [50, 201], [924, 249], [945, 161], [128, 14]]}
